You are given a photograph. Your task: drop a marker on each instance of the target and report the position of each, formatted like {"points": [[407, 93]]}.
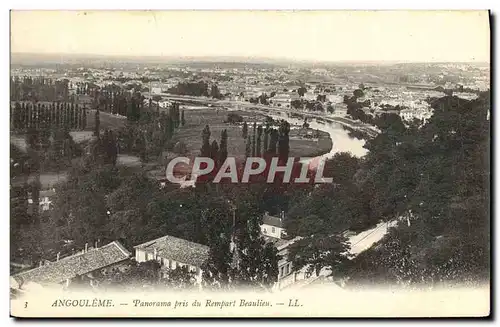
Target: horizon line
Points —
{"points": [[263, 59]]}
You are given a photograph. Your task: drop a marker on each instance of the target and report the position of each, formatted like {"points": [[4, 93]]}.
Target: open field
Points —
{"points": [[19, 142], [81, 136], [128, 160], [107, 120], [196, 120], [48, 180]]}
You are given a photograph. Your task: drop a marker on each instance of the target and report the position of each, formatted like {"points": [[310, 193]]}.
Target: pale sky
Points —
{"points": [[305, 35]]}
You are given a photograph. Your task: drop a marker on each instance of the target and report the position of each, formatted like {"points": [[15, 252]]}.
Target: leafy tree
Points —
{"points": [[318, 252], [97, 123], [142, 274], [435, 178], [259, 141], [214, 92], [301, 91], [218, 227], [257, 263], [273, 140], [80, 206], [254, 140], [284, 140], [214, 150], [180, 278], [248, 147], [244, 131], [19, 206], [358, 93], [205, 148], [266, 139], [223, 147], [233, 118]]}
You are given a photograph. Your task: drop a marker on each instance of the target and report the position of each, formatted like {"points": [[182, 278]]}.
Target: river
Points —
{"points": [[341, 141]]}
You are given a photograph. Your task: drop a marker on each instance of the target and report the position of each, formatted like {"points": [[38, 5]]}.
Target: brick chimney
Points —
{"points": [[155, 253], [86, 247], [96, 243], [58, 255]]}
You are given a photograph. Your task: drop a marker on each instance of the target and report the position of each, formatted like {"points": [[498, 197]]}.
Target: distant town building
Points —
{"points": [[156, 90], [411, 114], [164, 104]]}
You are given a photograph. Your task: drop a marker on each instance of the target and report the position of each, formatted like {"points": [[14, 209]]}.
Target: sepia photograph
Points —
{"points": [[246, 163]]}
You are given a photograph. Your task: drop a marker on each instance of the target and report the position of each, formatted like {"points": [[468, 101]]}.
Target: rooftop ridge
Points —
{"points": [[159, 239], [73, 256], [120, 247]]}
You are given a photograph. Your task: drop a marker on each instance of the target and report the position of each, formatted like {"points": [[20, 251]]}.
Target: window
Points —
{"points": [[287, 267], [273, 230], [265, 231], [281, 271]]}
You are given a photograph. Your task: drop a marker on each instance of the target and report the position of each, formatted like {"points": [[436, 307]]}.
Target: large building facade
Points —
{"points": [[172, 252]]}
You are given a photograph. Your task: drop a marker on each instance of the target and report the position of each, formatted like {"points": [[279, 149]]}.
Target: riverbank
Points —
{"points": [[196, 119]]}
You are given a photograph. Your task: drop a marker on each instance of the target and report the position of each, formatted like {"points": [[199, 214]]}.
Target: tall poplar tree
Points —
{"points": [[205, 147]]}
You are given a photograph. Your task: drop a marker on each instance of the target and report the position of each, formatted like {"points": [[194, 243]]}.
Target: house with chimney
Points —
{"points": [[173, 252], [82, 266], [272, 226], [273, 231]]}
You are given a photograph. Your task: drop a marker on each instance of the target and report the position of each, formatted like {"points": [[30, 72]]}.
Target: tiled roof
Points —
{"points": [[177, 249], [58, 271], [272, 220]]}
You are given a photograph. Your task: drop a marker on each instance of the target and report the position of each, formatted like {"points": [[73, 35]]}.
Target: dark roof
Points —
{"points": [[177, 249], [76, 265], [272, 220]]}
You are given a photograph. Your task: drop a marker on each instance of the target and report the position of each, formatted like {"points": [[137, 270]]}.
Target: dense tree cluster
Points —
{"points": [[190, 88], [303, 104], [46, 115], [39, 89], [233, 118], [151, 133], [432, 179]]}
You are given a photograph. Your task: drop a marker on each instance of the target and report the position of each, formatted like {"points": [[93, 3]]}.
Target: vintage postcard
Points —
{"points": [[250, 164]]}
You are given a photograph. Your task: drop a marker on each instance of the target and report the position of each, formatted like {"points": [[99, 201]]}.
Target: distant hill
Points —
{"points": [[46, 58], [56, 59]]}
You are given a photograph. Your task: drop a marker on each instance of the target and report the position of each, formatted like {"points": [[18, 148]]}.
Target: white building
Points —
{"points": [[283, 99], [172, 252], [273, 231], [164, 104], [45, 199], [273, 226], [156, 90], [411, 114]]}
